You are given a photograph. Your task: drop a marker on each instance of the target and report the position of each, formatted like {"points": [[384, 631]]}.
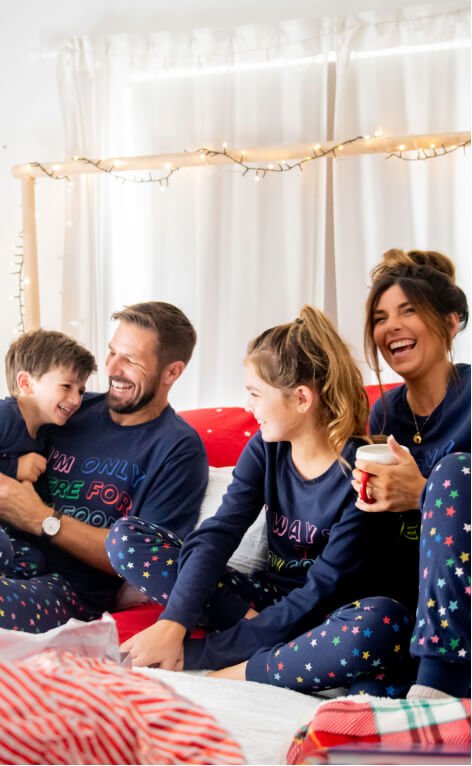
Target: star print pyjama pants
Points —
{"points": [[360, 640], [31, 599], [441, 638]]}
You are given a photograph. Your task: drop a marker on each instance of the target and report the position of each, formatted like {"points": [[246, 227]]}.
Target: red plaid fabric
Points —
{"points": [[60, 708], [400, 723]]}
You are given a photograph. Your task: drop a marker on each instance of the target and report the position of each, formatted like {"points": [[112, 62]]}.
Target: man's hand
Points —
{"points": [[21, 506], [393, 487], [30, 467], [160, 645]]}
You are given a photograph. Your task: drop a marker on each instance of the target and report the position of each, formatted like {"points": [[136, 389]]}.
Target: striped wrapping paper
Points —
{"points": [[61, 708], [363, 720]]}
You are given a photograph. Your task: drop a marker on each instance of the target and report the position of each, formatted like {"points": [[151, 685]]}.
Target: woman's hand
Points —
{"points": [[393, 487], [160, 645]]}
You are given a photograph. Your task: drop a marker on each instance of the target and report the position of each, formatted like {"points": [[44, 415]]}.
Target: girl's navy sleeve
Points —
{"points": [[207, 549], [337, 576]]}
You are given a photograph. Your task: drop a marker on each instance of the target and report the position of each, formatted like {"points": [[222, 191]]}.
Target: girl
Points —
{"points": [[307, 395], [414, 311]]}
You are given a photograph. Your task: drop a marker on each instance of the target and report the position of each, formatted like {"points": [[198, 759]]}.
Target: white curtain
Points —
{"points": [[406, 72], [235, 255]]}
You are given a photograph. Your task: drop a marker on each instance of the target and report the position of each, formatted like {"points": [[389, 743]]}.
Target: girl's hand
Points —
{"points": [[393, 487], [160, 645]]}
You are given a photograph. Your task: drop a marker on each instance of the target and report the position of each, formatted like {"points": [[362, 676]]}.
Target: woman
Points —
{"points": [[414, 311], [308, 398]]}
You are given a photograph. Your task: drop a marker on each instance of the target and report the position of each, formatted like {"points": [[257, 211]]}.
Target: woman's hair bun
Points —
{"points": [[401, 262]]}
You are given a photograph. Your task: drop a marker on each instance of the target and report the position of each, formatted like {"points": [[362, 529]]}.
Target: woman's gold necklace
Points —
{"points": [[417, 438]]}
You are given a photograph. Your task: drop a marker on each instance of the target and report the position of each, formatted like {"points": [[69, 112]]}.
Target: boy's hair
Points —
{"points": [[309, 351], [429, 282], [39, 351], [175, 335]]}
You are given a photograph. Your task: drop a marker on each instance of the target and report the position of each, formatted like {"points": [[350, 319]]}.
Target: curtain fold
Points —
{"points": [[403, 72], [235, 255]]}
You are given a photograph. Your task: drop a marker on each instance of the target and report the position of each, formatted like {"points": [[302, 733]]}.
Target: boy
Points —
{"points": [[46, 373]]}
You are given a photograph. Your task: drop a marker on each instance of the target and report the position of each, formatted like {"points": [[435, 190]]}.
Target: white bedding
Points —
{"points": [[261, 718]]}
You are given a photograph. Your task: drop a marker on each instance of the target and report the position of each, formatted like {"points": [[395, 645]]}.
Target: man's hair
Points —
{"points": [[175, 335], [39, 351]]}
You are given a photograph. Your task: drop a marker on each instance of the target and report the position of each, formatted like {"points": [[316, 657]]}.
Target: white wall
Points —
{"points": [[31, 127]]}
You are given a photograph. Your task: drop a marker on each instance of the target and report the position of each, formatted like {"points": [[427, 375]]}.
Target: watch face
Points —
{"points": [[51, 526]]}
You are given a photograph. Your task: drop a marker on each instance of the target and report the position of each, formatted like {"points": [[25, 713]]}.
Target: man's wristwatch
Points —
{"points": [[52, 524]]}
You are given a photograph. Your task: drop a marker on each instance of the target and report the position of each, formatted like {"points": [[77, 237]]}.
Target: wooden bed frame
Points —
{"points": [[283, 158]]}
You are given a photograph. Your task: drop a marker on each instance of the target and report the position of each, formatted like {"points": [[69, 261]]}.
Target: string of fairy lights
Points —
{"points": [[430, 153], [17, 266], [257, 172]]}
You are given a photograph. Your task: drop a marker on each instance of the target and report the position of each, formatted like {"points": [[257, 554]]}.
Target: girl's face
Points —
{"points": [[280, 416], [406, 342]]}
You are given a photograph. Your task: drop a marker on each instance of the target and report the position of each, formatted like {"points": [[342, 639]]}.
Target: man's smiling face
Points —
{"points": [[133, 369]]}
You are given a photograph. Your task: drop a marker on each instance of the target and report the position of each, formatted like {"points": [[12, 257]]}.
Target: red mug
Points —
{"points": [[374, 453]]}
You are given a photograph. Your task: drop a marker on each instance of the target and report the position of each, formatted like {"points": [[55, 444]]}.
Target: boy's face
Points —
{"points": [[57, 395]]}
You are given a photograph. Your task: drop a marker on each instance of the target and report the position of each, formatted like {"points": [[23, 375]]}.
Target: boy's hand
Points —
{"points": [[30, 467], [160, 645]]}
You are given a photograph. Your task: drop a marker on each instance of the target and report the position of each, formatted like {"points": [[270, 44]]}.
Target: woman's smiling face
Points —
{"points": [[410, 346]]}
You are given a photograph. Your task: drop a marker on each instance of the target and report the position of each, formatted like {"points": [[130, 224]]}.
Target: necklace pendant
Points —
{"points": [[417, 438]]}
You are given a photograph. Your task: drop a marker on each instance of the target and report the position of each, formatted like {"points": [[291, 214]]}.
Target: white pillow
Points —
{"points": [[251, 554], [249, 557]]}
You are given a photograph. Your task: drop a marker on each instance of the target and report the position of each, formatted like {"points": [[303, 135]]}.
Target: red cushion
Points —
{"points": [[225, 431], [373, 392], [131, 621]]}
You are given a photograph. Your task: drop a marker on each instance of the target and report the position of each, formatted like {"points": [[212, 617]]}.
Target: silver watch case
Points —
{"points": [[51, 526]]}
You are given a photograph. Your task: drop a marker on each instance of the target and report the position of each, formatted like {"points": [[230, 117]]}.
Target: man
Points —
{"points": [[123, 453]]}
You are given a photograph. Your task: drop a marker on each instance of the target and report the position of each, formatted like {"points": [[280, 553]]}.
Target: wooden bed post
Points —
{"points": [[30, 257]]}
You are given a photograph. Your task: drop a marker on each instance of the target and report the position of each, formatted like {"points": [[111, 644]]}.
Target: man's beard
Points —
{"points": [[126, 408]]}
